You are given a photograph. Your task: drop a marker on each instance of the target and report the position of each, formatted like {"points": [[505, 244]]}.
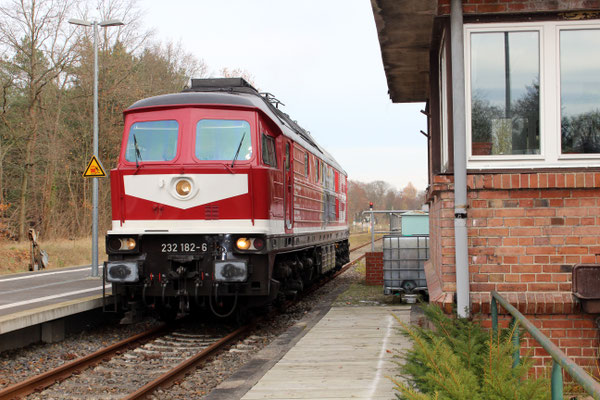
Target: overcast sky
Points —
{"points": [[322, 60]]}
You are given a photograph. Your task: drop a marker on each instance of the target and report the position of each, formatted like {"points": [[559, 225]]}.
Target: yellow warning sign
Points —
{"points": [[94, 169]]}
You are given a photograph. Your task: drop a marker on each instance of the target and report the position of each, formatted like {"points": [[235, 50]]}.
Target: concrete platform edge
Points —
{"points": [[36, 316]]}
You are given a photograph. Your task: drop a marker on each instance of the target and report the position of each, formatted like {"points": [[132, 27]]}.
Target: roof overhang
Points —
{"points": [[405, 29]]}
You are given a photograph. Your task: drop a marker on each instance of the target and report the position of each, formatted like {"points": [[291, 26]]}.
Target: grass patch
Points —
{"points": [[361, 238], [360, 294], [61, 253]]}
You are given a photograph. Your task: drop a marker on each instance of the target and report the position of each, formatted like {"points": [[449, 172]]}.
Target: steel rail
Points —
{"points": [[181, 369], [46, 379], [560, 359]]}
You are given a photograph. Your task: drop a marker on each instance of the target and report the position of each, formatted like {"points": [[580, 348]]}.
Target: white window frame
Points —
{"points": [[443, 89], [550, 124]]}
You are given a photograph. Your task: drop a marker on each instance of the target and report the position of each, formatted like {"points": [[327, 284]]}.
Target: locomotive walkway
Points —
{"points": [[33, 304]]}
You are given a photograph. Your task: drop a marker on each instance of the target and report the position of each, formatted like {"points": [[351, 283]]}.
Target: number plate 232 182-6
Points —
{"points": [[183, 247]]}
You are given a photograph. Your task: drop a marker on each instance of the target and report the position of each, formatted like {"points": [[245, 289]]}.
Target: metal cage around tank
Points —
{"points": [[404, 263]]}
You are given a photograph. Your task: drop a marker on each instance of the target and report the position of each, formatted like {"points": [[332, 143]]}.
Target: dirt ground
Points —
{"points": [[15, 256]]}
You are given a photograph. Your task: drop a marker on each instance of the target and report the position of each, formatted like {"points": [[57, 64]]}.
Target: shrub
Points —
{"points": [[459, 360]]}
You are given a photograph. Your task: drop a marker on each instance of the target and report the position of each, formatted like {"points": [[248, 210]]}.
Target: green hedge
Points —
{"points": [[458, 360]]}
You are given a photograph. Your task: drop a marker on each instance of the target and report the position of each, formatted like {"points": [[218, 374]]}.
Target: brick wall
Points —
{"points": [[526, 231], [574, 334], [518, 6], [374, 268], [440, 269]]}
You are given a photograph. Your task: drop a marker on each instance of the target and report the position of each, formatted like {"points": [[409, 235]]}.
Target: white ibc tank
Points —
{"points": [[403, 263]]}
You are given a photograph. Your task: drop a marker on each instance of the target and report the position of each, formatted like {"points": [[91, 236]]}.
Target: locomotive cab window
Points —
{"points": [[219, 139], [152, 141], [268, 151]]}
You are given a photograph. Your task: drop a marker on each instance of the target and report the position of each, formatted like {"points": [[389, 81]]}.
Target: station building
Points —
{"points": [[512, 94]]}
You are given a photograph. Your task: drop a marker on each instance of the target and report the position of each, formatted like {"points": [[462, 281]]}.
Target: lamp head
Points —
{"points": [[81, 22], [111, 22]]}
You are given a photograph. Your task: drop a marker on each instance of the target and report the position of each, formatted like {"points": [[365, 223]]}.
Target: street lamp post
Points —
{"points": [[94, 24]]}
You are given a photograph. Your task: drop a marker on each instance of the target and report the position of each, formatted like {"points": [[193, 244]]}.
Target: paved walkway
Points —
{"points": [[347, 355]]}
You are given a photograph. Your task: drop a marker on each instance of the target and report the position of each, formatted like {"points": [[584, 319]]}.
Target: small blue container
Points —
{"points": [[415, 223]]}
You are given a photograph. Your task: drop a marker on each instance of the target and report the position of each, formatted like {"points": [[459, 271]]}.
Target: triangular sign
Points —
{"points": [[94, 169]]}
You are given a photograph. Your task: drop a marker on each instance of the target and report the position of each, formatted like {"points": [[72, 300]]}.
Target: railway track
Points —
{"points": [[135, 367]]}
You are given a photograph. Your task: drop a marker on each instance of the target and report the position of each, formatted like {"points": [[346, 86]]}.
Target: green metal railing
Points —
{"points": [[560, 359]]}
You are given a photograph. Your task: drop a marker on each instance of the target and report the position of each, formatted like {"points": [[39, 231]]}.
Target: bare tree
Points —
{"points": [[46, 94], [38, 39], [238, 73]]}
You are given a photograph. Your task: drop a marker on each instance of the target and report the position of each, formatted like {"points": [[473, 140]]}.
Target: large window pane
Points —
{"points": [[218, 139], [580, 90], [505, 91], [152, 141]]}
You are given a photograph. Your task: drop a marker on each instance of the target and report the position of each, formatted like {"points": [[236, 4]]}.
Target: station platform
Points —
{"points": [[348, 354], [33, 305]]}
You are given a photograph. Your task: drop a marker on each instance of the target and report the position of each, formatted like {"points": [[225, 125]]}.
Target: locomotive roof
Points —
{"points": [[238, 92]]}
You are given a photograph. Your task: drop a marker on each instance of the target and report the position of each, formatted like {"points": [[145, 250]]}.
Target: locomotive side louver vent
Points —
{"points": [[211, 212]]}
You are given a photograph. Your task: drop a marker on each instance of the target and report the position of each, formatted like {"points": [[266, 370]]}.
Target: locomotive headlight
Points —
{"points": [[121, 243], [243, 243], [250, 243], [183, 187], [128, 244]]}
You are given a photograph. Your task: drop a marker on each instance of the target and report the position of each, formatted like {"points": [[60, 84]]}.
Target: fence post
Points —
{"points": [[494, 305], [557, 381], [515, 340]]}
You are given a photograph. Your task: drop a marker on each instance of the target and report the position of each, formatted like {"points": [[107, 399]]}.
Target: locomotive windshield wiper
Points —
{"points": [[238, 149], [138, 154]]}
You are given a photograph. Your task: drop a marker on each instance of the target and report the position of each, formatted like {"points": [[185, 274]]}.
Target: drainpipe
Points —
{"points": [[460, 159]]}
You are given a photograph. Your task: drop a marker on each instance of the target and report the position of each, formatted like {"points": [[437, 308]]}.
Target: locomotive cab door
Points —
{"points": [[288, 186]]}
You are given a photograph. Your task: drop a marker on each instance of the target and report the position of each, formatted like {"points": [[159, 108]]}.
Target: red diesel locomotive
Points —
{"points": [[220, 201]]}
